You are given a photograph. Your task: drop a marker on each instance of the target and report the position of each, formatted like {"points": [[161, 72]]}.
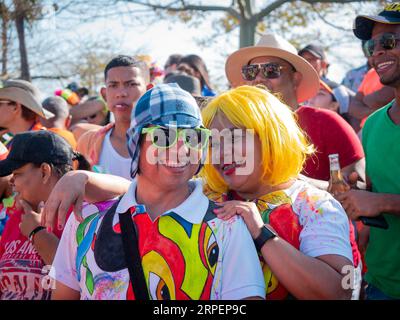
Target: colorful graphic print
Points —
{"points": [[276, 209], [180, 261], [179, 258]]}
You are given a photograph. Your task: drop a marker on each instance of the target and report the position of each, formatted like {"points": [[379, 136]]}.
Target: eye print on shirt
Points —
{"points": [[211, 250], [160, 280]]}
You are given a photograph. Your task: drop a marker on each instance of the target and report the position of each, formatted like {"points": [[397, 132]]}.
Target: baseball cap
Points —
{"points": [[36, 147], [315, 50], [186, 82], [363, 24]]}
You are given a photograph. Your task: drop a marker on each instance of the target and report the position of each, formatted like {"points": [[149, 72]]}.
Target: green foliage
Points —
{"points": [[228, 23]]}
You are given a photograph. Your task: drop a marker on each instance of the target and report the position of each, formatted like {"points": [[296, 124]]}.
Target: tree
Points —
{"points": [[247, 14], [25, 12], [5, 24], [90, 62]]}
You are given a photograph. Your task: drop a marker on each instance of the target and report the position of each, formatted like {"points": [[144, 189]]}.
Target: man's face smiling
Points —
{"points": [[171, 167], [124, 87], [386, 62]]}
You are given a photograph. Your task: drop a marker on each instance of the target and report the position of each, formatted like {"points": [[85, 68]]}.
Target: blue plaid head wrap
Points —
{"points": [[164, 105]]}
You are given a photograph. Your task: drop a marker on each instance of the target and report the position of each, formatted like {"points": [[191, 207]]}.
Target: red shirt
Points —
{"points": [[329, 133], [22, 271]]}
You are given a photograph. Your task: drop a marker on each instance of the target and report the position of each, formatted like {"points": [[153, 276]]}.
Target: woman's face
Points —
{"points": [[98, 118], [324, 100], [184, 67], [27, 182], [236, 155]]}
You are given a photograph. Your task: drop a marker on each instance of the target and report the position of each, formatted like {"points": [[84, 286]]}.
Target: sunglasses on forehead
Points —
{"points": [[268, 70], [388, 41], [163, 138]]}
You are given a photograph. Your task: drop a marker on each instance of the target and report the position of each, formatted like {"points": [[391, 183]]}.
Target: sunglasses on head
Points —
{"points": [[387, 41], [268, 70], [163, 138]]}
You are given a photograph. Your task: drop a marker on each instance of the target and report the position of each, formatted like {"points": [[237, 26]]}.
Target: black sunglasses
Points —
{"points": [[268, 70], [387, 41]]}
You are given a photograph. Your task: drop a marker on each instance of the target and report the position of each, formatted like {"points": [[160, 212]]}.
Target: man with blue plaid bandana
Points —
{"points": [[186, 251]]}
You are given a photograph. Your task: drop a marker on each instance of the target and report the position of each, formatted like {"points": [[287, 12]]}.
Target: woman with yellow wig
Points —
{"points": [[301, 232]]}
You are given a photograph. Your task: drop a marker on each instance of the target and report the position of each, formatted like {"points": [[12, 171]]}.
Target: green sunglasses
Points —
{"points": [[163, 138]]}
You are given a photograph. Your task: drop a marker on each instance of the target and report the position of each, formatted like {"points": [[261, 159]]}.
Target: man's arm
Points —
{"points": [[357, 167], [379, 98], [369, 204], [358, 109], [74, 187], [362, 106]]}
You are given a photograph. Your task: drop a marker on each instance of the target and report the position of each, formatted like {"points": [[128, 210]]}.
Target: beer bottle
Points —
{"points": [[337, 184]]}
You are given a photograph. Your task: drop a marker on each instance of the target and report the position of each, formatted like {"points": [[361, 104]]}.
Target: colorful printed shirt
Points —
{"points": [[3, 151], [6, 205], [309, 219], [187, 253], [35, 127]]}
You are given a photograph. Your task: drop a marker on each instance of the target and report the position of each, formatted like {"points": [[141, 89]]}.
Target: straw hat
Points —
{"points": [[275, 46]]}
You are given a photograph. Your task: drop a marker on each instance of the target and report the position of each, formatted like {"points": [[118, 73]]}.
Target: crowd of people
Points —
{"points": [[161, 188]]}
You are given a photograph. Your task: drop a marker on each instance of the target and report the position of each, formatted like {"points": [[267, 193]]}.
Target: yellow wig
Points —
{"points": [[284, 145]]}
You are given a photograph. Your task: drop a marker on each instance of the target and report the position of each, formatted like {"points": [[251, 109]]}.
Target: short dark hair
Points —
{"points": [[128, 61], [173, 59], [61, 169], [58, 106], [198, 64]]}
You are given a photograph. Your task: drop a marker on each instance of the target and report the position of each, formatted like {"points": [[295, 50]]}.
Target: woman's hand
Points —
{"points": [[30, 219], [247, 210]]}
